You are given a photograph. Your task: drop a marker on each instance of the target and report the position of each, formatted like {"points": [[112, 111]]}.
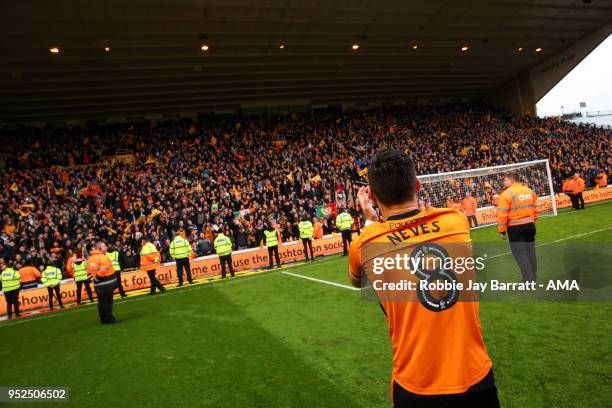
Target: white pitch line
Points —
{"points": [[134, 298], [142, 297], [557, 241], [321, 281], [562, 211], [490, 257], [138, 298]]}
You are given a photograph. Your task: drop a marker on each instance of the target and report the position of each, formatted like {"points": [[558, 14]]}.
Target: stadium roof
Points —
{"points": [[136, 57]]}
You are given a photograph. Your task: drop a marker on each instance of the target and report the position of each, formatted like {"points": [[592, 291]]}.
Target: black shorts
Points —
{"points": [[482, 395]]}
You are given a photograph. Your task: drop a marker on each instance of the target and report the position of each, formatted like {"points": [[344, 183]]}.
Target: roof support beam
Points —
{"points": [[521, 93]]}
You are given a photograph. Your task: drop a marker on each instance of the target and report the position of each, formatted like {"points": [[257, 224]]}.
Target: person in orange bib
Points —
{"points": [[517, 213], [439, 356], [601, 180], [469, 208], [100, 267], [575, 188], [29, 276], [150, 260], [318, 229], [566, 188]]}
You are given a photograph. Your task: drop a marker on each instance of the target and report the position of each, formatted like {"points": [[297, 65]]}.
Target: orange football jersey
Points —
{"points": [[436, 337]]}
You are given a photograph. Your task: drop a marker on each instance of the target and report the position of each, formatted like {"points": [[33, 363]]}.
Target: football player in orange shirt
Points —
{"points": [[439, 356]]}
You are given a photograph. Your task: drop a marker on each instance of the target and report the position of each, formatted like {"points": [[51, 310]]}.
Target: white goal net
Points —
{"points": [[476, 191]]}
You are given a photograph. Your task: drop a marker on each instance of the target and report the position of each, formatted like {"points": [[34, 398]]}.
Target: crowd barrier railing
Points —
{"points": [[202, 267], [487, 215], [254, 258]]}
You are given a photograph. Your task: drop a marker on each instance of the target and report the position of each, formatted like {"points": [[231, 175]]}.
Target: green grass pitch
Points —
{"points": [[276, 340]]}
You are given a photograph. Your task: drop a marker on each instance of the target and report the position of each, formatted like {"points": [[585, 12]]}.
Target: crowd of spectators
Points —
{"points": [[66, 187]]}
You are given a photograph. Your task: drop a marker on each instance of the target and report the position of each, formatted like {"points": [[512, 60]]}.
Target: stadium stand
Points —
{"points": [[234, 172]]}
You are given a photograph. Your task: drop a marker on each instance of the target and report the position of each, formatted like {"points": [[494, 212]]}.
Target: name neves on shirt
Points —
{"points": [[408, 231]]}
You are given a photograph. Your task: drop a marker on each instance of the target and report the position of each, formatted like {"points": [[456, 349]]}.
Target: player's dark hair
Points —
{"points": [[392, 177]]}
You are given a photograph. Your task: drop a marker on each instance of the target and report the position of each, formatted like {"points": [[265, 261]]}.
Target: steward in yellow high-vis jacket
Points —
{"points": [[11, 284], [344, 223], [77, 268], [271, 240], [223, 248], [51, 278], [306, 233], [180, 251]]}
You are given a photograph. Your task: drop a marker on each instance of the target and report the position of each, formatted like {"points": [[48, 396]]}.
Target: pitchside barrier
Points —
{"points": [[252, 258], [203, 267], [487, 215]]}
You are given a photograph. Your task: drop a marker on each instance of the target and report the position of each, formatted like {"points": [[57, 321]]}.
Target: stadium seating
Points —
{"points": [[234, 172]]}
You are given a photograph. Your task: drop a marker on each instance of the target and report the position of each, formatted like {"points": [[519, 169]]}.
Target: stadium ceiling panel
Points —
{"points": [[126, 57]]}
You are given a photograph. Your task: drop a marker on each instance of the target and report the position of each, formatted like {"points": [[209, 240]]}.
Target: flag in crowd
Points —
{"points": [[327, 210]]}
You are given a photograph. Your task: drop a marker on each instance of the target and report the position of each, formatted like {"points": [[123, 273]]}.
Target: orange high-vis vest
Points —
{"points": [[317, 230], [469, 205], [602, 179], [70, 265], [434, 352], [29, 274], [566, 185], [98, 265], [517, 205], [150, 258], [576, 185]]}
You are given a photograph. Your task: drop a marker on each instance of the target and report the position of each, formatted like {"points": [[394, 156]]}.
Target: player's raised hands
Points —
{"points": [[365, 202]]}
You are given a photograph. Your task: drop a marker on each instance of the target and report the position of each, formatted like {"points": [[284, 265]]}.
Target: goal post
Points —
{"points": [[484, 185], [456, 189], [552, 189]]}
